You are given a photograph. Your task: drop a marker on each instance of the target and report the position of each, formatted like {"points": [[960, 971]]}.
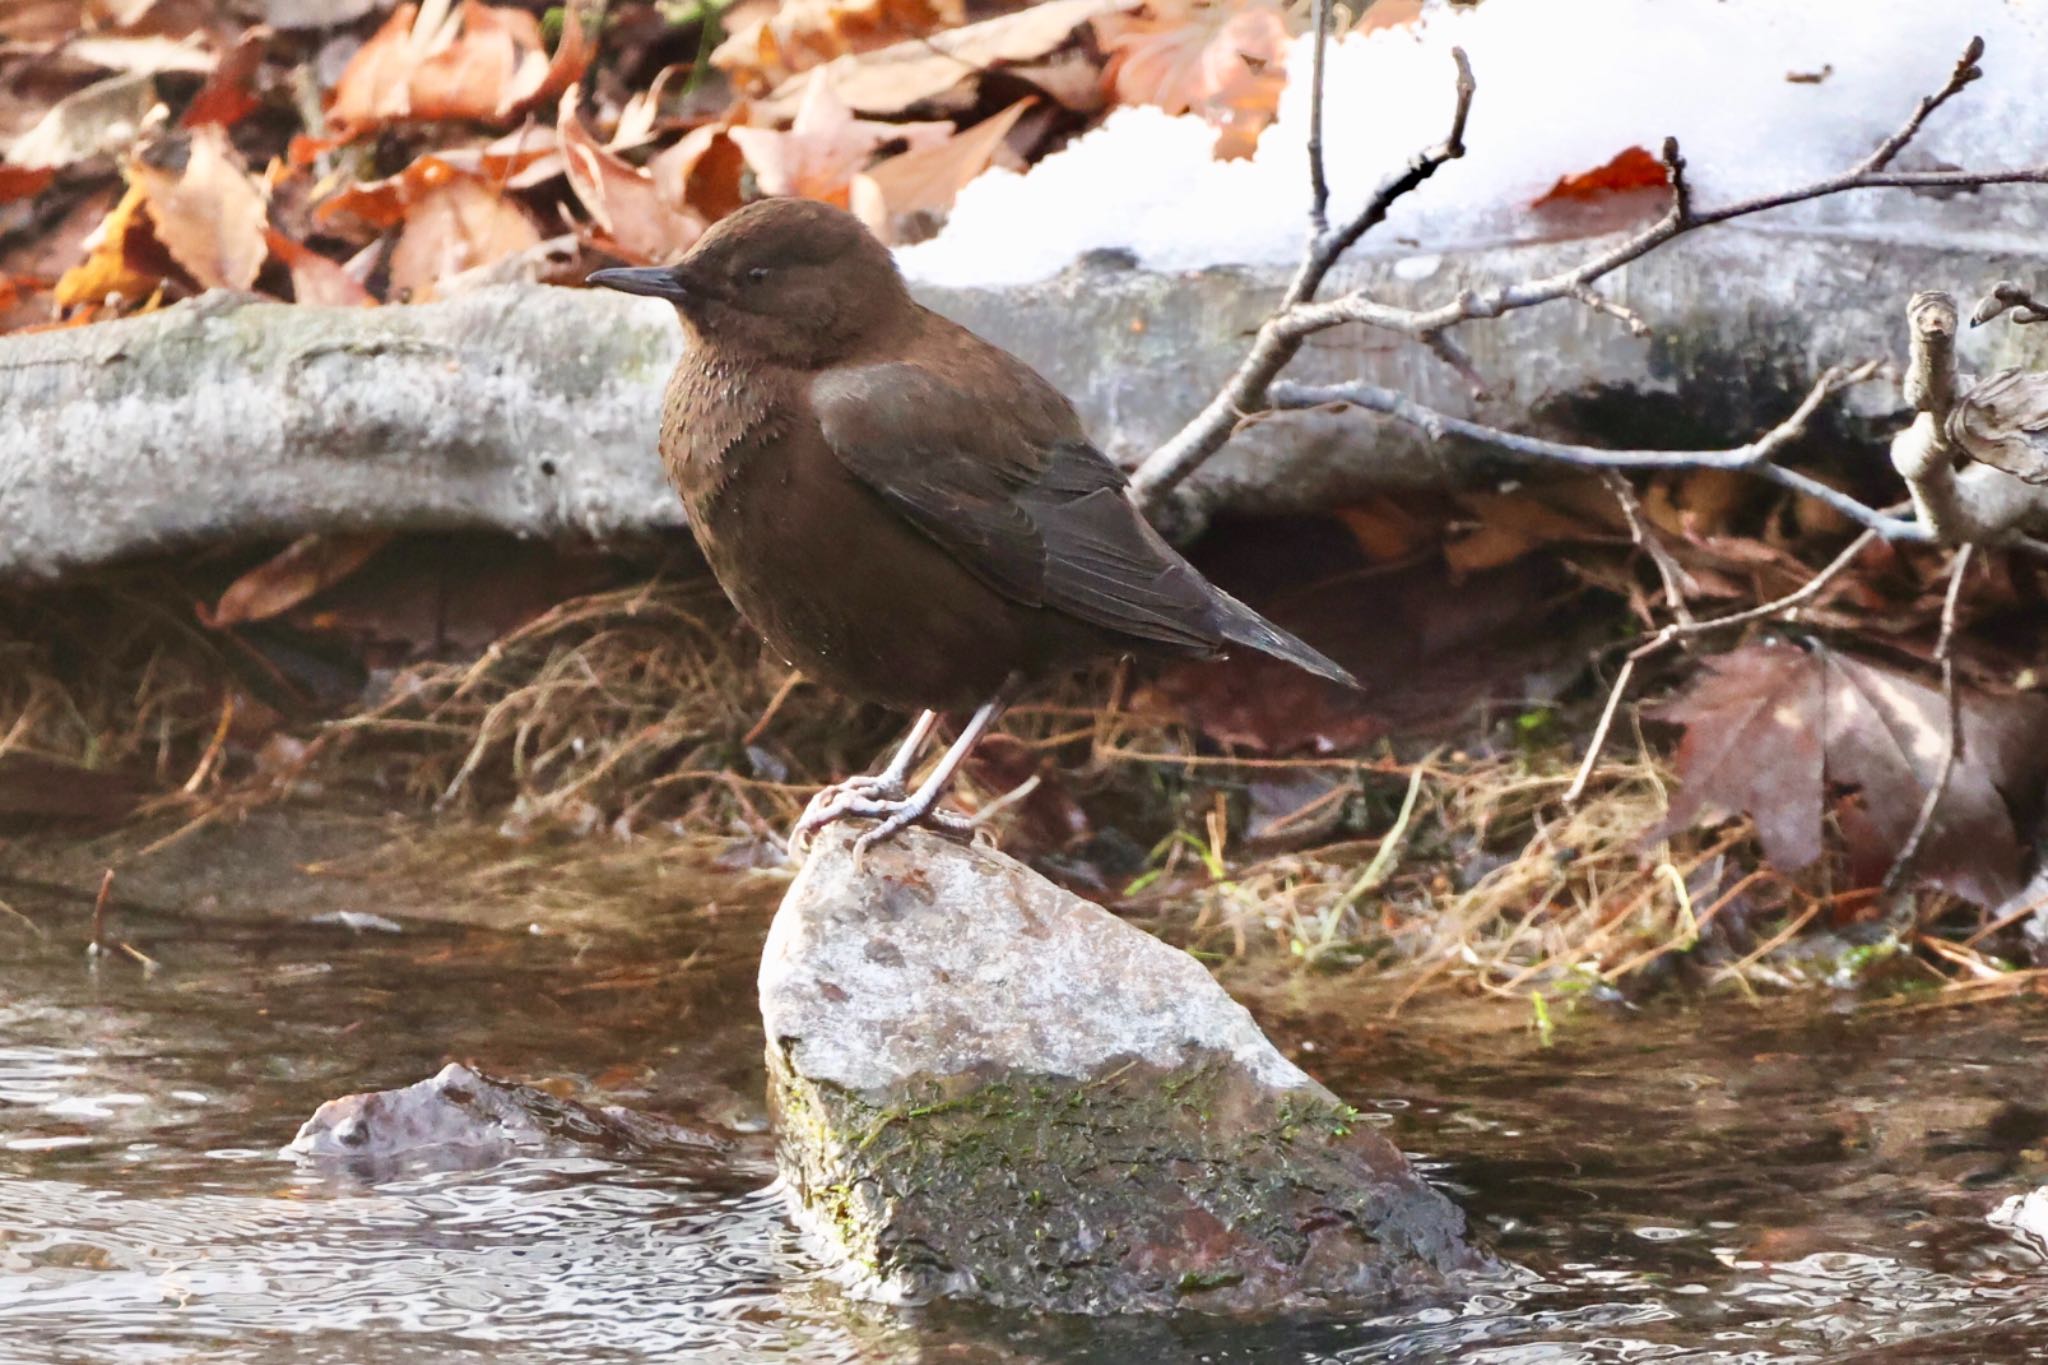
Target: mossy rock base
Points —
{"points": [[985, 1087], [1139, 1190]]}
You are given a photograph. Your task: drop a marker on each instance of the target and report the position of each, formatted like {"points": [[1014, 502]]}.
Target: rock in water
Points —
{"points": [[462, 1119], [986, 1087]]}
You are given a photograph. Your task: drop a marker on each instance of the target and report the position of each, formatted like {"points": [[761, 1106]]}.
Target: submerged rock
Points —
{"points": [[463, 1119], [984, 1086]]}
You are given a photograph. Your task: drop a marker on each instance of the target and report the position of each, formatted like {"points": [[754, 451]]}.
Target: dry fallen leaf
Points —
{"points": [[926, 180], [100, 119], [890, 80], [1224, 62], [800, 34], [294, 574], [1512, 524], [824, 146], [229, 95], [702, 172], [1785, 734], [1388, 14], [316, 281], [1631, 169], [507, 162], [486, 63], [2003, 422], [461, 226], [19, 182], [211, 215], [118, 260], [624, 200]]}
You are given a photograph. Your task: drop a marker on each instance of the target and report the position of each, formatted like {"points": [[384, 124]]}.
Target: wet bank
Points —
{"points": [[1800, 1181]]}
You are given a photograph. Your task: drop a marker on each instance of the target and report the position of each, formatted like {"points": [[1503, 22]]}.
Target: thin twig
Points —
{"points": [[1275, 345], [1753, 457], [1599, 740], [1965, 72], [1669, 571], [1944, 653], [1791, 601], [1318, 183], [1300, 315], [99, 914]]}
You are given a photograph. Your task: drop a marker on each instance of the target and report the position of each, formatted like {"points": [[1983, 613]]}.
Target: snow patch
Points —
{"points": [[1562, 89]]}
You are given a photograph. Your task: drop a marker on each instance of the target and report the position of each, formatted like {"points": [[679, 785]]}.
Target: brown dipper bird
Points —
{"points": [[906, 513]]}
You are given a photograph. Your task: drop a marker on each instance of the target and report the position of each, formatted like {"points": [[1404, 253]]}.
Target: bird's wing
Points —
{"points": [[1019, 498], [2003, 422]]}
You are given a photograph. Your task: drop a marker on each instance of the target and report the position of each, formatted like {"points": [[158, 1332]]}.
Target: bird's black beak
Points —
{"points": [[655, 281]]}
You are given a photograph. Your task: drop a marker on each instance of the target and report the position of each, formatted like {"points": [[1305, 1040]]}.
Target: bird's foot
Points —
{"points": [[879, 799]]}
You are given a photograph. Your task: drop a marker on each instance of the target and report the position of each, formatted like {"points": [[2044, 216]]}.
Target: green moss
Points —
{"points": [[1079, 1193]]}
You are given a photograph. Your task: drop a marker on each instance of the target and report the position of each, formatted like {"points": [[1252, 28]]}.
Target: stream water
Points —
{"points": [[1717, 1182]]}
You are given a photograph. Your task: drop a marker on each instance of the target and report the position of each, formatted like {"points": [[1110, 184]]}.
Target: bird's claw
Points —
{"points": [[878, 799]]}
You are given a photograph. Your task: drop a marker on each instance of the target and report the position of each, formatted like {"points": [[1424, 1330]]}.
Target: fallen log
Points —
{"points": [[532, 410]]}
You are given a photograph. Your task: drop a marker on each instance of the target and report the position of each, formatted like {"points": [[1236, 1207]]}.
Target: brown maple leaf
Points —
{"points": [[825, 145], [210, 214], [2003, 422], [1785, 735], [486, 63], [800, 34], [1224, 62], [925, 182], [1632, 168]]}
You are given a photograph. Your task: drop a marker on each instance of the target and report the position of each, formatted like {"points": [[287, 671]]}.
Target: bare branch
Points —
{"points": [[1755, 457], [1318, 182], [1300, 315], [2006, 296], [1669, 571], [1599, 740], [1790, 602], [1681, 188], [1275, 345], [1944, 653], [1966, 71], [1600, 303]]}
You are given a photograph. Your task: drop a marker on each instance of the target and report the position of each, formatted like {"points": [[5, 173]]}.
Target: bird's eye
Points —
{"points": [[757, 274]]}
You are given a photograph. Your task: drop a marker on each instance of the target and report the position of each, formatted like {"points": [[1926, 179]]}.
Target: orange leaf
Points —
{"points": [[22, 182], [372, 88], [800, 34], [927, 179], [315, 279], [211, 216], [485, 63], [1633, 169], [107, 270], [459, 227], [1224, 62], [824, 146], [1388, 14], [289, 577], [383, 203], [701, 172], [228, 97], [624, 200]]}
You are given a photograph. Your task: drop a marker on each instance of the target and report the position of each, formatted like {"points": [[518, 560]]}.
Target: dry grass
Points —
{"points": [[109, 674], [649, 711], [620, 709]]}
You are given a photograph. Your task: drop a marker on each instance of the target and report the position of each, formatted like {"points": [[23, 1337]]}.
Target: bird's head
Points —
{"points": [[788, 281]]}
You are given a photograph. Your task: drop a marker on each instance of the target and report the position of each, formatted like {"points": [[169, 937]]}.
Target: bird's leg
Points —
{"points": [[890, 781], [922, 803], [887, 785], [897, 812]]}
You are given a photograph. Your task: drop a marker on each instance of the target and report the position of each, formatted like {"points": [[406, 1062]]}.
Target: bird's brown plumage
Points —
{"points": [[906, 513]]}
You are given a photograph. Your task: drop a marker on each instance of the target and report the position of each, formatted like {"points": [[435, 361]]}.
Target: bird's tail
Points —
{"points": [[1241, 625]]}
